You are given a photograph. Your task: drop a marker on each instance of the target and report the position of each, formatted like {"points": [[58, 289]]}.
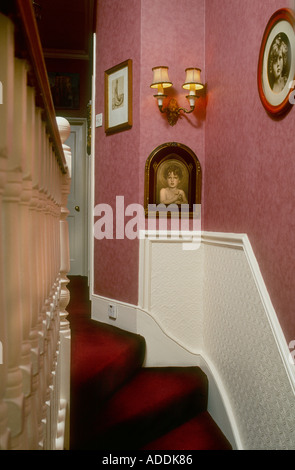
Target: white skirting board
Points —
{"points": [[209, 306]]}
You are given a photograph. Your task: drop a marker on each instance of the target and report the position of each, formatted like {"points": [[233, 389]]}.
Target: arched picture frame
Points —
{"points": [[175, 161], [276, 65]]}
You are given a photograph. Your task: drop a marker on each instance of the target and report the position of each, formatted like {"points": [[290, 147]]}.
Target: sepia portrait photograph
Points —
{"points": [[173, 176], [276, 66], [172, 182]]}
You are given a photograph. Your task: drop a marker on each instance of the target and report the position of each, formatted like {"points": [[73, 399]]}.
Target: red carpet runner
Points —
{"points": [[116, 404]]}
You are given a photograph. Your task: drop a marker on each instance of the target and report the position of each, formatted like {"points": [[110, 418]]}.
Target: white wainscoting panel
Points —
{"points": [[213, 304], [207, 304], [171, 270], [244, 341]]}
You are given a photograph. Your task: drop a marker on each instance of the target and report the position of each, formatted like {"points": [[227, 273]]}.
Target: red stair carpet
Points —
{"points": [[116, 404]]}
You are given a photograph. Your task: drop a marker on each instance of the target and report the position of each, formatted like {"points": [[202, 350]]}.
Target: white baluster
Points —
{"points": [[65, 332], [28, 287], [6, 117], [34, 262], [12, 256], [42, 273], [37, 274]]}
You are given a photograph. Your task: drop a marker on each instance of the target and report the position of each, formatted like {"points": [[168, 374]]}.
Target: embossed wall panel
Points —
{"points": [[239, 340], [176, 292], [213, 302]]}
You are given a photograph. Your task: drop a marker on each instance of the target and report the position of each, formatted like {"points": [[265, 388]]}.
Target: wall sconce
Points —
{"points": [[192, 83]]}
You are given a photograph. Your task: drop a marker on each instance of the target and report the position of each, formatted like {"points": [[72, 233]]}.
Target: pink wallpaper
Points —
{"points": [[116, 160], [150, 32], [250, 164], [249, 176]]}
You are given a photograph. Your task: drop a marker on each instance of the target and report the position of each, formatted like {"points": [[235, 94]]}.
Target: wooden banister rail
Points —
{"points": [[28, 45]]}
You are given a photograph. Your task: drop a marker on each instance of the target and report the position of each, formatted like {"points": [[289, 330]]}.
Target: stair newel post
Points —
{"points": [[6, 117], [65, 332]]}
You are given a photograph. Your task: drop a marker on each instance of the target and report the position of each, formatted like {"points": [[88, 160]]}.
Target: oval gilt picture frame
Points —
{"points": [[276, 65]]}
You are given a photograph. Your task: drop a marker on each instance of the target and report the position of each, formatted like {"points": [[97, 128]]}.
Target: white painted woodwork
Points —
{"points": [[230, 330], [6, 113], [34, 262], [78, 198]]}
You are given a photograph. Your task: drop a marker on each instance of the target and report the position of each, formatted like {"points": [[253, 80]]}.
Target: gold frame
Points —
{"points": [[281, 24], [118, 100]]}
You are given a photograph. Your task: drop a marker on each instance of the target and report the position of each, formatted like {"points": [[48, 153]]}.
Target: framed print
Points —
{"points": [[276, 65], [118, 98], [65, 89], [172, 177]]}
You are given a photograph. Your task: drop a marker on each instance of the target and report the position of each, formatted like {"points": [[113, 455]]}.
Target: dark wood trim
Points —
{"points": [[28, 44]]}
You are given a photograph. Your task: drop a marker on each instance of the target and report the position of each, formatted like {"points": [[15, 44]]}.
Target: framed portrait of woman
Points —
{"points": [[276, 65]]}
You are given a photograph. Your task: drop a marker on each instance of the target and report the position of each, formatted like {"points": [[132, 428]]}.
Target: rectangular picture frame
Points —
{"points": [[118, 98], [65, 89]]}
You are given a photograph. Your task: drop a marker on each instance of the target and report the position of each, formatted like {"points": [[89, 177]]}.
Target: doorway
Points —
{"points": [[78, 200]]}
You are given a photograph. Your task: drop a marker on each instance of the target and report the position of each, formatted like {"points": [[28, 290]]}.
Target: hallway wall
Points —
{"points": [[116, 156], [150, 33], [250, 166], [247, 188]]}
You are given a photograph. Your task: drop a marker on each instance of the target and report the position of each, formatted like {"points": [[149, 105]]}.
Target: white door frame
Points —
{"points": [[91, 177], [83, 123]]}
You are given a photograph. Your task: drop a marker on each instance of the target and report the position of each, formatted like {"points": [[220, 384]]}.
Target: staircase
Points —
{"points": [[116, 404]]}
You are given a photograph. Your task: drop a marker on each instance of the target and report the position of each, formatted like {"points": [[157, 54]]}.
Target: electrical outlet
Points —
{"points": [[112, 311]]}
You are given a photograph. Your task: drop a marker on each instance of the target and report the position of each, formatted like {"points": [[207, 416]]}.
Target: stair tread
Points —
{"points": [[119, 354], [161, 398], [199, 433], [118, 404], [103, 358]]}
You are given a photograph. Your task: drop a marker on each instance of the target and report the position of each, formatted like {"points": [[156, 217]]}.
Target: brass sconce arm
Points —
{"points": [[192, 83], [173, 111]]}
